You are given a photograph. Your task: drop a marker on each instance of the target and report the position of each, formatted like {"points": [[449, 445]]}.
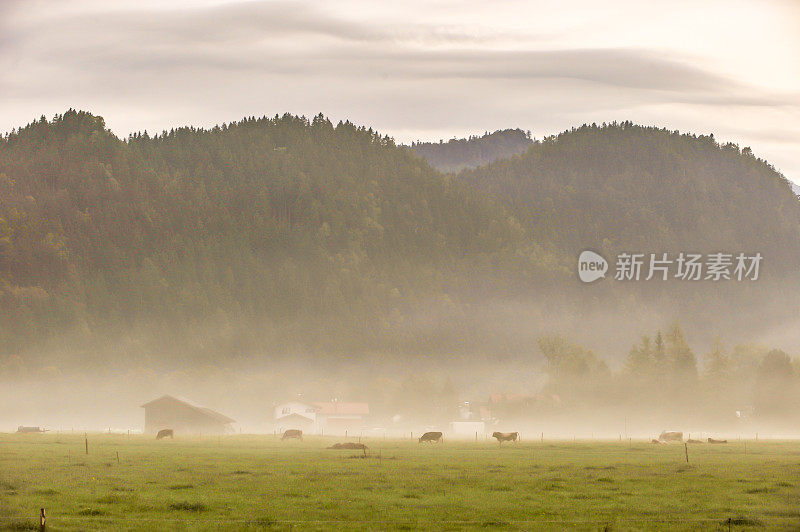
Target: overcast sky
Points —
{"points": [[414, 70]]}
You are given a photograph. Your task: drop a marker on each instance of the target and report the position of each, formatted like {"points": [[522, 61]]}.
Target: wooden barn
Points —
{"points": [[184, 417]]}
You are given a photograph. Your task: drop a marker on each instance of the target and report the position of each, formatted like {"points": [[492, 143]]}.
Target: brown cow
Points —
{"points": [[712, 440], [292, 434], [163, 433], [434, 437], [505, 436]]}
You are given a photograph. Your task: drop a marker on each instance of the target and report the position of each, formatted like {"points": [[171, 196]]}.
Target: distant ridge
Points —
{"points": [[459, 154]]}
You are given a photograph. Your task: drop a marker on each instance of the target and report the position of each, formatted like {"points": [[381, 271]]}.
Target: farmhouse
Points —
{"points": [[295, 415], [333, 417], [184, 417]]}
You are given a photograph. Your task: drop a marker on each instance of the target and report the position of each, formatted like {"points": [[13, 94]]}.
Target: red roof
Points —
{"points": [[335, 407]]}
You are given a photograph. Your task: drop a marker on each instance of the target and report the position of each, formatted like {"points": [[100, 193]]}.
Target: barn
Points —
{"points": [[184, 417]]}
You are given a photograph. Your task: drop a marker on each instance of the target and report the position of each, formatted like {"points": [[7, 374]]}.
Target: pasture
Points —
{"points": [[259, 482]]}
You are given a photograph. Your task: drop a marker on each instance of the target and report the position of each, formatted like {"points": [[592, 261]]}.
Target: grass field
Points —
{"points": [[257, 482]]}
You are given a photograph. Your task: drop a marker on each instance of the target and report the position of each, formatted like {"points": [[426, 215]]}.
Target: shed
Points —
{"points": [[184, 417]]}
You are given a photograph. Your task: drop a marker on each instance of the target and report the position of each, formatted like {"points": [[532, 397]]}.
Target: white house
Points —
{"points": [[321, 418], [295, 415]]}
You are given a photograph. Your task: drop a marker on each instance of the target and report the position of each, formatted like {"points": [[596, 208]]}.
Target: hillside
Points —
{"points": [[273, 236], [281, 232], [622, 187], [460, 154]]}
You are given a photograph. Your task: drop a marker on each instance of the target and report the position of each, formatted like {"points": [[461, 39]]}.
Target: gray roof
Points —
{"points": [[185, 402]]}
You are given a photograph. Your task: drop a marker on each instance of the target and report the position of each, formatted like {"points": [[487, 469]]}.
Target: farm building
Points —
{"points": [[184, 417], [295, 415], [322, 418], [337, 418]]}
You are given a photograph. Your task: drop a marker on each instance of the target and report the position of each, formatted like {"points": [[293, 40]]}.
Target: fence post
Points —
{"points": [[686, 449], [42, 520], [117, 457], [86, 442]]}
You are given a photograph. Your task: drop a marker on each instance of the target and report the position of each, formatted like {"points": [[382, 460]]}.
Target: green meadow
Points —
{"points": [[258, 482]]}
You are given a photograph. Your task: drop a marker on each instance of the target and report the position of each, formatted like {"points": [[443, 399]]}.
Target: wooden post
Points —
{"points": [[117, 457], [686, 449], [86, 442], [42, 519], [745, 447], [476, 435], [345, 434]]}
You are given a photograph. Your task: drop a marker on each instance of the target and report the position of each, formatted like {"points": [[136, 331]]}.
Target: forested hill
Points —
{"points": [[272, 236], [252, 224], [459, 154], [623, 187]]}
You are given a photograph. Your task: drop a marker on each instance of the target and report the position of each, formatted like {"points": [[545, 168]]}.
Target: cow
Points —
{"points": [[712, 440], [292, 434], [505, 436], [349, 445], [671, 435], [434, 437], [163, 433]]}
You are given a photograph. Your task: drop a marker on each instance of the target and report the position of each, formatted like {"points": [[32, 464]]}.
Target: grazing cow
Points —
{"points": [[292, 434], [434, 437], [163, 433], [349, 445], [505, 436], [693, 441], [671, 435], [712, 440]]}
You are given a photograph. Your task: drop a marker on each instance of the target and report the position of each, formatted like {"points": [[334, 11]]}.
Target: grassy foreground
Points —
{"points": [[257, 482]]}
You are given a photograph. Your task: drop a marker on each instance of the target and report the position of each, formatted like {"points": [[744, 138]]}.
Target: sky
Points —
{"points": [[413, 70]]}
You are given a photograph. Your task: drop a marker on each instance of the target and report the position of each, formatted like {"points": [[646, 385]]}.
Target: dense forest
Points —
{"points": [[460, 154], [272, 236]]}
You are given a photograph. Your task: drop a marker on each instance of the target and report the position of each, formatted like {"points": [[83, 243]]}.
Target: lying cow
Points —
{"points": [[292, 434], [164, 433], [505, 436], [435, 437], [712, 440], [349, 445]]}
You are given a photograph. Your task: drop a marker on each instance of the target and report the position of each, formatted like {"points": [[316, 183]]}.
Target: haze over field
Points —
{"points": [[289, 256], [398, 217]]}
